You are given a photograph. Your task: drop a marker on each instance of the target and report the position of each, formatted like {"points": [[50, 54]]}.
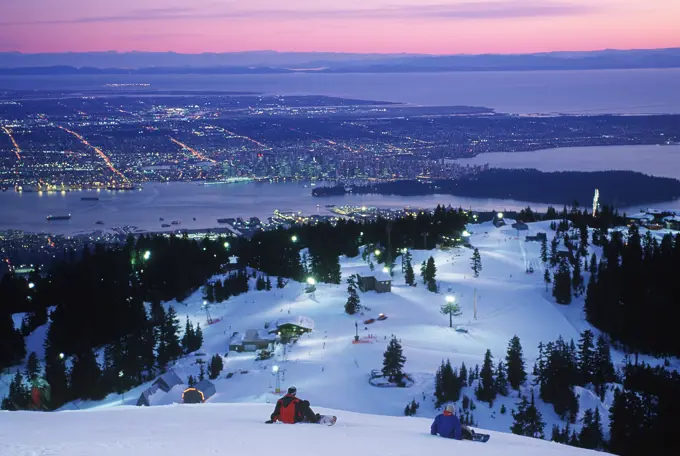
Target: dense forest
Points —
{"points": [[632, 295], [620, 188]]}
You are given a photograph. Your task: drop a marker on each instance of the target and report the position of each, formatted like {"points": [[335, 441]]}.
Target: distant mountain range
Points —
{"points": [[290, 62]]}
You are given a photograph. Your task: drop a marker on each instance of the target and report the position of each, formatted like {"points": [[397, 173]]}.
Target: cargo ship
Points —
{"points": [[58, 217]]}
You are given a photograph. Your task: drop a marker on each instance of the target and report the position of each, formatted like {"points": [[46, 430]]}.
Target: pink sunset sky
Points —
{"points": [[380, 26]]}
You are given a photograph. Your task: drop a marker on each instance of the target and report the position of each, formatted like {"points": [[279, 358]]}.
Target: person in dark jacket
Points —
{"points": [[290, 409], [448, 425]]}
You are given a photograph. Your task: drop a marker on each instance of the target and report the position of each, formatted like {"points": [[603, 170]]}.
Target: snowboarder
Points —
{"points": [[289, 409], [448, 425]]}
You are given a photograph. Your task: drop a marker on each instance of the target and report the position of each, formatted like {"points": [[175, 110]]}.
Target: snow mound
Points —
{"points": [[238, 429]]}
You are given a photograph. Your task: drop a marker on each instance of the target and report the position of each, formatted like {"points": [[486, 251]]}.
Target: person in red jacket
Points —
{"points": [[290, 410]]}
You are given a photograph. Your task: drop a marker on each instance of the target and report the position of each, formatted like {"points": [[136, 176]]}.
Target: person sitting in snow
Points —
{"points": [[290, 409], [448, 425]]}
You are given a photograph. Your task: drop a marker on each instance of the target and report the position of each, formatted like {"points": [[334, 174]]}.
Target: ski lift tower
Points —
{"points": [[206, 306]]}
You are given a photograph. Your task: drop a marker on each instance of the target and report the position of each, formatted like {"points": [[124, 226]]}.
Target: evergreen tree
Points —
{"points": [[448, 384], [86, 376], [514, 360], [352, 305], [501, 382], [215, 367], [393, 362], [209, 293], [57, 377], [476, 262], [573, 439], [409, 275], [188, 337], [451, 309], [546, 278], [198, 337], [463, 374], [423, 273], [603, 371], [593, 265], [18, 397], [268, 284], [577, 278], [544, 251], [557, 376], [201, 373], [11, 340], [486, 389], [279, 282], [528, 421], [554, 257], [430, 275], [586, 357], [562, 284], [32, 367], [191, 381], [591, 436], [169, 348]]}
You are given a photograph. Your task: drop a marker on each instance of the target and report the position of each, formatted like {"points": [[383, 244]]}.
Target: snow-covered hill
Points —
{"points": [[330, 371], [230, 429]]}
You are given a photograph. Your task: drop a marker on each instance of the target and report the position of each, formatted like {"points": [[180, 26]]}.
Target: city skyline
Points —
{"points": [[366, 26]]}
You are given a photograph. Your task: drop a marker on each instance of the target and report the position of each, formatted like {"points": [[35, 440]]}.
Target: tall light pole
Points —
{"points": [[475, 303], [311, 286], [450, 299], [277, 371]]}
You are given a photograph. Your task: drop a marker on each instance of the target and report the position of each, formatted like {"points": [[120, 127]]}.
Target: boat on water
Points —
{"points": [[58, 217], [176, 222], [98, 222], [165, 225], [161, 219], [329, 205], [89, 198], [226, 220]]}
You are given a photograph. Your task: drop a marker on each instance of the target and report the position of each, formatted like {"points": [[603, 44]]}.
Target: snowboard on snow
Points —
{"points": [[480, 437], [328, 420]]}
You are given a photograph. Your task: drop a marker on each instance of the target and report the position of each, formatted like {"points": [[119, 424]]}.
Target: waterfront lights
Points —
{"points": [[466, 233], [275, 368], [386, 270], [31, 285], [377, 252], [226, 245], [311, 281], [61, 356], [500, 215], [450, 299], [294, 238], [147, 255]]}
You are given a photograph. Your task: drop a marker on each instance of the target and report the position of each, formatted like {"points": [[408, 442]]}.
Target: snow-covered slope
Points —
{"points": [[332, 372], [237, 429]]}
